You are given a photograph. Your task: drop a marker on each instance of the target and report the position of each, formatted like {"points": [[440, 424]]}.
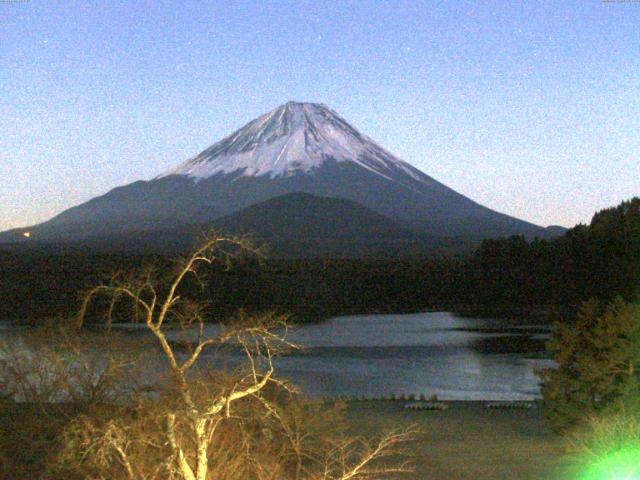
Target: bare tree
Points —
{"points": [[207, 421], [48, 376], [53, 363]]}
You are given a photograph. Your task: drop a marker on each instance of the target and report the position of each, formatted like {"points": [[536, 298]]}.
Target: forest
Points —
{"points": [[506, 277]]}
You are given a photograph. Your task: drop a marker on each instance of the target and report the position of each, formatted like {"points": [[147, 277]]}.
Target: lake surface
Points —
{"points": [[426, 353], [435, 353]]}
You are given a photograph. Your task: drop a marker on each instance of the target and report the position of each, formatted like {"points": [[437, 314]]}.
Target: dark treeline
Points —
{"points": [[507, 276], [44, 284], [40, 285], [601, 260], [311, 289]]}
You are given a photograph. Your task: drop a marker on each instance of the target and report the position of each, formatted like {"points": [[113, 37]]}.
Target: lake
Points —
{"points": [[434, 353]]}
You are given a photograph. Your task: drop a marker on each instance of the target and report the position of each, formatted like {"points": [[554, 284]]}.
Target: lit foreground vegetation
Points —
{"points": [[465, 442], [118, 416], [173, 404], [593, 395]]}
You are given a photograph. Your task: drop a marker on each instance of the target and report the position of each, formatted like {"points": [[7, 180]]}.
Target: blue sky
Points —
{"points": [[528, 107]]}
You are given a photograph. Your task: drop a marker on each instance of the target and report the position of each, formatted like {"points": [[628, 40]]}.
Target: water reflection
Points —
{"points": [[428, 353]]}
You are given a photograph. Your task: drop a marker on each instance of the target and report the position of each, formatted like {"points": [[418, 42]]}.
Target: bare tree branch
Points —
{"points": [[227, 427]]}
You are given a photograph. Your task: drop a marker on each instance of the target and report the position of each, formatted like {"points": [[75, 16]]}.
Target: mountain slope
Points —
{"points": [[295, 138], [301, 215], [298, 147], [301, 225], [296, 225]]}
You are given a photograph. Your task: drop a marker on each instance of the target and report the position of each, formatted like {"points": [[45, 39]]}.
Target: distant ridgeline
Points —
{"points": [[503, 276]]}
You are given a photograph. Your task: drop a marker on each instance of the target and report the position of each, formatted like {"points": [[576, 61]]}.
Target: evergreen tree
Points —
{"points": [[598, 358]]}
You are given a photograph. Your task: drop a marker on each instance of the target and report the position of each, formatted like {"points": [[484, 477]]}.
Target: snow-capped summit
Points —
{"points": [[293, 138]]}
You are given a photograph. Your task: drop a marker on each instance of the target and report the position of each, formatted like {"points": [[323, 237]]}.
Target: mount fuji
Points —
{"points": [[298, 147]]}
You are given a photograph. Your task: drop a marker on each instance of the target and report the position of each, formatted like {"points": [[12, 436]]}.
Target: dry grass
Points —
{"points": [[467, 441], [464, 442]]}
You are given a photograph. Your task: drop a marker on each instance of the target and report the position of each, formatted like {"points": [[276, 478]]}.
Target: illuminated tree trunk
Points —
{"points": [[201, 453]]}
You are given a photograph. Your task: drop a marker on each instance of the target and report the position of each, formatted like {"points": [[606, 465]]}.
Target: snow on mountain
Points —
{"points": [[293, 138]]}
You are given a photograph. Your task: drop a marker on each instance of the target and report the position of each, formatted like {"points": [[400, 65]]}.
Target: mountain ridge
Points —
{"points": [[299, 213]]}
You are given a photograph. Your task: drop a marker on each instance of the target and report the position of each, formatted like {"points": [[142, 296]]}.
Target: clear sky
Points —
{"points": [[528, 107]]}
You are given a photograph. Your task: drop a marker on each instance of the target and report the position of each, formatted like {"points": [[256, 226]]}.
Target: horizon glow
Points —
{"points": [[531, 108]]}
